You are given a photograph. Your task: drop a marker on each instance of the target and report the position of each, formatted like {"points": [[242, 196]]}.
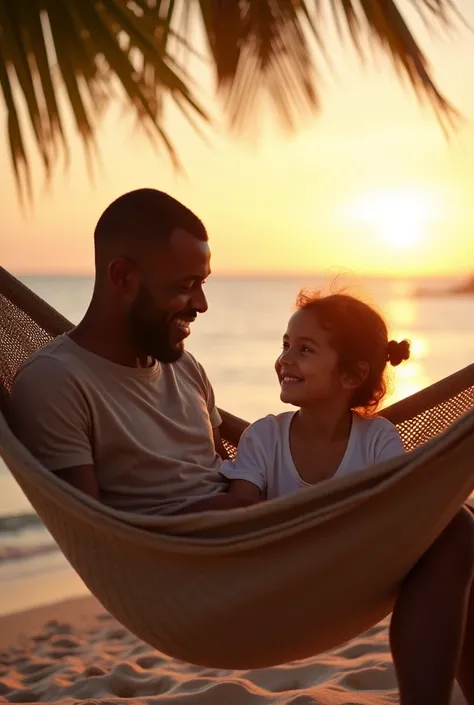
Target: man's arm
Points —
{"points": [[218, 444], [50, 416], [83, 478], [232, 427]]}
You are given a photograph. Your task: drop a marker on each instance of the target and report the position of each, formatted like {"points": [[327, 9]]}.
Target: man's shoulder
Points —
{"points": [[51, 364], [187, 361], [187, 366], [50, 382]]}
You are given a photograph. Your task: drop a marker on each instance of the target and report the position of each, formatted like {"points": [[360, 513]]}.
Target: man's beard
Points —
{"points": [[150, 330]]}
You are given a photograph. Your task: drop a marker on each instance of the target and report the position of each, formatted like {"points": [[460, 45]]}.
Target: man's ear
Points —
{"points": [[123, 275], [354, 380]]}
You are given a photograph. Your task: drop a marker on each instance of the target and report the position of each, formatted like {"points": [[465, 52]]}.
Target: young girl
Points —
{"points": [[332, 366]]}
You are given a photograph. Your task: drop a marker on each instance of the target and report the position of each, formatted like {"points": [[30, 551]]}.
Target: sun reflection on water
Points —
{"points": [[411, 376]]}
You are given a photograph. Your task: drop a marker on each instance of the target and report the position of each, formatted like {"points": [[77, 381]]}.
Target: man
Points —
{"points": [[117, 408], [120, 410]]}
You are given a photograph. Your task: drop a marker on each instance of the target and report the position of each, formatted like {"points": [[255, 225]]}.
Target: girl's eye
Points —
{"points": [[285, 346], [306, 349]]}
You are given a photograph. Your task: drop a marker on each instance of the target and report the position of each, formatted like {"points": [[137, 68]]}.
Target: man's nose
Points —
{"points": [[199, 301]]}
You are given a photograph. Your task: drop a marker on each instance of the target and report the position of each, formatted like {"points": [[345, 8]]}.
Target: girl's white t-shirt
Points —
{"points": [[264, 457]]}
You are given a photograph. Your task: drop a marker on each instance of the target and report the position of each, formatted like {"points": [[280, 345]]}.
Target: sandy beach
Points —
{"points": [[73, 651]]}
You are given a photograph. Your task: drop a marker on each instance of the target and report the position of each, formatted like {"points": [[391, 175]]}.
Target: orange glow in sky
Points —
{"points": [[400, 217], [369, 185]]}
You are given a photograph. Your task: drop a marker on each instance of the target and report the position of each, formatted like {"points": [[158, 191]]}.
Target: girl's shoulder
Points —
{"points": [[377, 439], [373, 425], [270, 426]]}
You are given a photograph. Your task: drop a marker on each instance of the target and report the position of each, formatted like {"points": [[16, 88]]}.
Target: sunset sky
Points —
{"points": [[369, 185]]}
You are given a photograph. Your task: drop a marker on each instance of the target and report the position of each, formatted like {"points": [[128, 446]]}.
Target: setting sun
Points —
{"points": [[399, 216]]}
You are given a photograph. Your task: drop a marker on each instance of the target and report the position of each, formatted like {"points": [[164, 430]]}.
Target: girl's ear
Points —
{"points": [[354, 380]]}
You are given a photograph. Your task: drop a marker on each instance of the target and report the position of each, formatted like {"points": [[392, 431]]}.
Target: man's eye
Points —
{"points": [[187, 288]]}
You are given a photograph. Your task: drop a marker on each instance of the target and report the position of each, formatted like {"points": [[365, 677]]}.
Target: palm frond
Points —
{"points": [[51, 49], [272, 45]]}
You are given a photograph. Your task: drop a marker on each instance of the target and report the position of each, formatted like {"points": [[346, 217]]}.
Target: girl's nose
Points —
{"points": [[286, 356]]}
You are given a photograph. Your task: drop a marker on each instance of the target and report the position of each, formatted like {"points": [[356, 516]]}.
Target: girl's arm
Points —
{"points": [[247, 474], [244, 489]]}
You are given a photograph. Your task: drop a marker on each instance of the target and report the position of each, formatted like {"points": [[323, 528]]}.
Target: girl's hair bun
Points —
{"points": [[398, 352]]}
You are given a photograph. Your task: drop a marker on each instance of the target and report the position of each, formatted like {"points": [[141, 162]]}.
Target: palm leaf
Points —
{"points": [[271, 46], [51, 49]]}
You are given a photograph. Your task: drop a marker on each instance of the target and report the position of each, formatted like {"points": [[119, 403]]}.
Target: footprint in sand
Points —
{"points": [[58, 627], [39, 638], [58, 654], [33, 667], [40, 675], [23, 696], [35, 672], [140, 649], [93, 671], [357, 650], [66, 642], [4, 688], [147, 662], [151, 687], [116, 634], [379, 678]]}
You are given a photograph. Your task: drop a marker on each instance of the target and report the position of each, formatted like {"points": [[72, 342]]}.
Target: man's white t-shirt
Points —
{"points": [[264, 456]]}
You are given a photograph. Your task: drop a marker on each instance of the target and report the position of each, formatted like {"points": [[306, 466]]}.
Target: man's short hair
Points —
{"points": [[143, 215]]}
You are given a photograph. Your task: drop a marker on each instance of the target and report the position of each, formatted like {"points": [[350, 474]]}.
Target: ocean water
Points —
{"points": [[237, 341]]}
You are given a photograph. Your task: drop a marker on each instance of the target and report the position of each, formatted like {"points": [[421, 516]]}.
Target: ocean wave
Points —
{"points": [[23, 536], [10, 523], [19, 553]]}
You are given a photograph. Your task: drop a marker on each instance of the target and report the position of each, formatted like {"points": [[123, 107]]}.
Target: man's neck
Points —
{"points": [[97, 334]]}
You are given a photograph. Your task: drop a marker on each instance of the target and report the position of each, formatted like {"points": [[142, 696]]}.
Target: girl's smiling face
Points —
{"points": [[308, 367]]}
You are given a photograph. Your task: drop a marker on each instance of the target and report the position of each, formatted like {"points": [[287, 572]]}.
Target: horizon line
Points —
{"points": [[263, 275]]}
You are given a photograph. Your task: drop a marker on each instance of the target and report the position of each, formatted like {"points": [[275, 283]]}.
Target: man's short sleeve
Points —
{"points": [[214, 415], [50, 416]]}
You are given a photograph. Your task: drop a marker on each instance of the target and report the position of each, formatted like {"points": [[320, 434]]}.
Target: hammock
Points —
{"points": [[268, 584]]}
